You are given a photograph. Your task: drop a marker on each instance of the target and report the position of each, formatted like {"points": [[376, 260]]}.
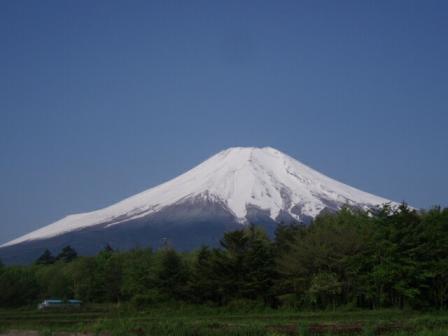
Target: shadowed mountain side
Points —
{"points": [[184, 226]]}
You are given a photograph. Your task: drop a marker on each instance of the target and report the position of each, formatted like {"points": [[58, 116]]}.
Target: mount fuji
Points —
{"points": [[235, 187]]}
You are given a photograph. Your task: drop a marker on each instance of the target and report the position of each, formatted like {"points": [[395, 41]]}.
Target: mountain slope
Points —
{"points": [[234, 186]]}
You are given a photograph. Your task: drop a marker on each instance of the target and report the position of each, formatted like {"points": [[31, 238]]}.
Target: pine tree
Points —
{"points": [[108, 248], [67, 254], [172, 276], [246, 265], [46, 258], [108, 276], [205, 282]]}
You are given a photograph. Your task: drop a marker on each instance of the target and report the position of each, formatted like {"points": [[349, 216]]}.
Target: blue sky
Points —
{"points": [[102, 99]]}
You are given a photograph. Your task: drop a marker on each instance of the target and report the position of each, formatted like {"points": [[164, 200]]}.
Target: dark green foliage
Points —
{"points": [[205, 283], [328, 248], [172, 276], [108, 276], [392, 258], [324, 289], [139, 275], [67, 254], [396, 253], [54, 282], [18, 286], [285, 236], [46, 258], [2, 267], [389, 258], [85, 279], [435, 240], [243, 268]]}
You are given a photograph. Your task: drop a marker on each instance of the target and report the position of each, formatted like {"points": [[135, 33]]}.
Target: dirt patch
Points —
{"points": [[336, 329], [287, 329]]}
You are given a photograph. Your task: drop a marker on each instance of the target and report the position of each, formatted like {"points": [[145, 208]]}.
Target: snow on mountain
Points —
{"points": [[238, 178]]}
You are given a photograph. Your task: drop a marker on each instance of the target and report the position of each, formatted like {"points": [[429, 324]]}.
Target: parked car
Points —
{"points": [[55, 303]]}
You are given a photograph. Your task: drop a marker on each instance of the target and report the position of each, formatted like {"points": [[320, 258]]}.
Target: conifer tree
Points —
{"points": [[67, 254], [172, 276], [46, 258], [108, 248]]}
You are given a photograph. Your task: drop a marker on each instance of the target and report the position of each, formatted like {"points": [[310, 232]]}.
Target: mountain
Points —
{"points": [[230, 189]]}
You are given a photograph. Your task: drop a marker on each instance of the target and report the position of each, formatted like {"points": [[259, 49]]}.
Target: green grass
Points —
{"points": [[187, 320]]}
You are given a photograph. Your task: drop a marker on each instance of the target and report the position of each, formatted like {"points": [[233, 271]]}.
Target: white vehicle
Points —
{"points": [[46, 304]]}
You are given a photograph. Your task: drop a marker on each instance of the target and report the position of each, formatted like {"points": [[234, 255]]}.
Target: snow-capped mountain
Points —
{"points": [[231, 188]]}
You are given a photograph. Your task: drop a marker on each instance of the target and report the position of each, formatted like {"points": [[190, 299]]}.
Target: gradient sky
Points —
{"points": [[100, 100]]}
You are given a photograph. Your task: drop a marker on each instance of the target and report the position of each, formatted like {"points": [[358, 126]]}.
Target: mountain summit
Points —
{"points": [[234, 187]]}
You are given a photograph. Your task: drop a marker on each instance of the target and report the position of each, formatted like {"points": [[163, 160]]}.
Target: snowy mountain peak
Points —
{"points": [[238, 179]]}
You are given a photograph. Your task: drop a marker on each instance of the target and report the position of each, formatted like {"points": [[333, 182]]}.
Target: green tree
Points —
{"points": [[205, 283], [53, 282], [435, 252], [18, 286], [109, 276], [85, 279], [172, 278], [395, 253], [46, 258], [329, 245], [139, 275], [245, 266], [324, 289], [67, 254], [260, 267], [285, 235]]}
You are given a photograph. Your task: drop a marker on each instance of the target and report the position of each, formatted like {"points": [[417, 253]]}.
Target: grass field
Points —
{"points": [[199, 321]]}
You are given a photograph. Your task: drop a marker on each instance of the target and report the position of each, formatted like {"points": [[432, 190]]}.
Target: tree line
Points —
{"points": [[382, 258]]}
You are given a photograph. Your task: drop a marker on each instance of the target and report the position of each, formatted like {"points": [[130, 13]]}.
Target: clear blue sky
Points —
{"points": [[102, 99]]}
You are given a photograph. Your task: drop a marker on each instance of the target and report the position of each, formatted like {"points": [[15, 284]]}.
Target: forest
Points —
{"points": [[384, 258]]}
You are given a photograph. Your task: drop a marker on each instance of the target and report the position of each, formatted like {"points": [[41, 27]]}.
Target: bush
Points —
{"points": [[150, 298], [18, 286], [291, 301]]}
